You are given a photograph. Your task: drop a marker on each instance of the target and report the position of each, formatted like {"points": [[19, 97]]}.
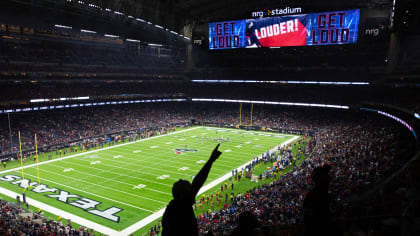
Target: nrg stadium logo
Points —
{"points": [[276, 12]]}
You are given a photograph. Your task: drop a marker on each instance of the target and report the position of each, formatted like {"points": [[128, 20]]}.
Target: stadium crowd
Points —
{"points": [[360, 155], [361, 149], [70, 125], [15, 220], [67, 125]]}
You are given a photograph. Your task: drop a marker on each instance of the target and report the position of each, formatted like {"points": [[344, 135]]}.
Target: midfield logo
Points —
{"points": [[183, 150]]}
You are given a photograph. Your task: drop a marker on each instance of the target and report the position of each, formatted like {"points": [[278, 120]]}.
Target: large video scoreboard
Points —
{"points": [[326, 28]]}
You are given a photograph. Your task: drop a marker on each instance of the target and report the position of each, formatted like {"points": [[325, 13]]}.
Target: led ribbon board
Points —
{"points": [[393, 117], [327, 28]]}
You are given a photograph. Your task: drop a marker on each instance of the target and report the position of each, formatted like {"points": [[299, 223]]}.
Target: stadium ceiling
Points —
{"points": [[203, 11], [176, 14]]}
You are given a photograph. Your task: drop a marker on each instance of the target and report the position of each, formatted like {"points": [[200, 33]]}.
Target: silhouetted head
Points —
{"points": [[247, 220], [321, 176], [182, 191], [414, 173]]}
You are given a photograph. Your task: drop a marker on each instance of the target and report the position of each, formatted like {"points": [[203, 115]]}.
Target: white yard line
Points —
{"points": [[113, 180], [105, 187], [93, 194], [189, 156], [153, 162], [116, 173], [100, 228], [140, 224], [65, 215], [93, 151]]}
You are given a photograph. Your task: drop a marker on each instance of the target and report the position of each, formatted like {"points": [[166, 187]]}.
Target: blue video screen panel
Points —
{"points": [[327, 28]]}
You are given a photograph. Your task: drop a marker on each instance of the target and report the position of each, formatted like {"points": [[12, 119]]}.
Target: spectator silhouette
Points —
{"points": [[248, 224], [317, 203], [411, 202], [179, 218]]}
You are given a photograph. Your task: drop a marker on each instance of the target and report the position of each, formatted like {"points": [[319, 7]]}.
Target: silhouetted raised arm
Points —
{"points": [[201, 177]]}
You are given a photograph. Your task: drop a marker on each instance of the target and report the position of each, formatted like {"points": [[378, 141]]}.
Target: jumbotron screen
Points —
{"points": [[326, 28]]}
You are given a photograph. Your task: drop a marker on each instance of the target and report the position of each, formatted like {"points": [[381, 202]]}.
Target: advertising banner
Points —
{"points": [[227, 34], [327, 28]]}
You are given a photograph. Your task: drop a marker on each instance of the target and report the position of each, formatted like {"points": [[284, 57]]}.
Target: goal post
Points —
{"points": [[240, 114]]}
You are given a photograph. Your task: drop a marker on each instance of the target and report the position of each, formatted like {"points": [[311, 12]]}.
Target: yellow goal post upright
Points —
{"points": [[21, 164], [240, 115], [37, 160]]}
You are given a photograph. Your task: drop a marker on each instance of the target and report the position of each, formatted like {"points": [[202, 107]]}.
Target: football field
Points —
{"points": [[125, 187]]}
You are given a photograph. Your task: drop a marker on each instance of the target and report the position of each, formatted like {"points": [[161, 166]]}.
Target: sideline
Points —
{"points": [[65, 215], [140, 224], [98, 227], [79, 220], [96, 150]]}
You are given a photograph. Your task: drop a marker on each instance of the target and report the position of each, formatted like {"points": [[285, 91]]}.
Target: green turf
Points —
{"points": [[110, 175], [239, 186]]}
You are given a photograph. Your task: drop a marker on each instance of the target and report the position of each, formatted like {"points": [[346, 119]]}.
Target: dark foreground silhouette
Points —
{"points": [[179, 218]]}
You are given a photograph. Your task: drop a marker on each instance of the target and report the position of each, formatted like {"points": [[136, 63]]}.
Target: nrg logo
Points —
{"points": [[375, 31]]}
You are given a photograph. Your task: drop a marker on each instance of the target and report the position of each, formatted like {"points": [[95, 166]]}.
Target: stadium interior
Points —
{"points": [[85, 78]]}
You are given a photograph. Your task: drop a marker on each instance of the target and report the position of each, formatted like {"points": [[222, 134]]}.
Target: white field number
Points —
{"points": [[163, 177], [139, 186]]}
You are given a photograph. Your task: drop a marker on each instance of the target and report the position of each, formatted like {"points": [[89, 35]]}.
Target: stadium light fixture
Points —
{"points": [[111, 36], [343, 83], [63, 26], [87, 31], [282, 82], [154, 45], [40, 100], [360, 83], [129, 16], [133, 40], [82, 98], [269, 102]]}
